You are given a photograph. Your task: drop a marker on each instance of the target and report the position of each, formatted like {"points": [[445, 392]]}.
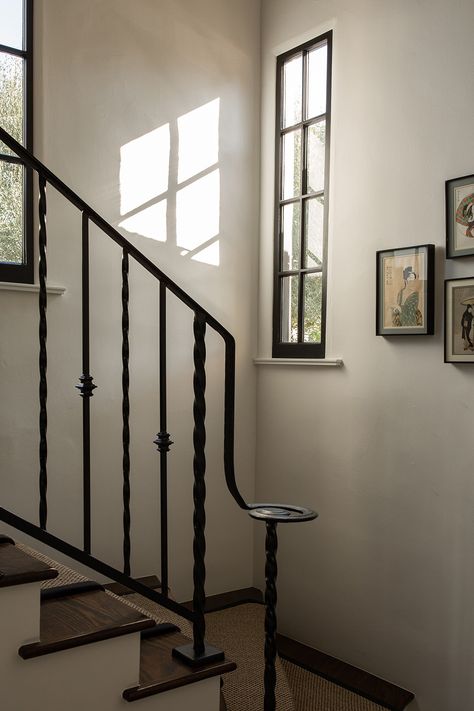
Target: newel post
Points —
{"points": [[272, 515]]}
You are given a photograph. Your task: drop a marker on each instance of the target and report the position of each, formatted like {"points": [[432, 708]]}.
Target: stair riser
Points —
{"points": [[92, 676], [19, 616]]}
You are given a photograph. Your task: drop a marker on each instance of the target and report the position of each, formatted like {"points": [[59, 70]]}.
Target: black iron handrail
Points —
{"points": [[199, 651], [229, 387], [90, 561]]}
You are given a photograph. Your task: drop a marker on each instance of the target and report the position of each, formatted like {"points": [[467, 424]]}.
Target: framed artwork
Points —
{"points": [[460, 217], [458, 320], [405, 291]]}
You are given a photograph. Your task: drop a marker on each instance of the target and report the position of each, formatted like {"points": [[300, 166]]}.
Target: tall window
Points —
{"points": [[301, 204], [16, 82]]}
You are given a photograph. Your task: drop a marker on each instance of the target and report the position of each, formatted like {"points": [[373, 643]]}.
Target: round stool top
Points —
{"points": [[281, 513]]}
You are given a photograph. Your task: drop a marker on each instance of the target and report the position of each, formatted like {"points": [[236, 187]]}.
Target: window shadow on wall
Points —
{"points": [[170, 184]]}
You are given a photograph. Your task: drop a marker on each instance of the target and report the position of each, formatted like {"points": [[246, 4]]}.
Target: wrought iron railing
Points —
{"points": [[199, 652]]}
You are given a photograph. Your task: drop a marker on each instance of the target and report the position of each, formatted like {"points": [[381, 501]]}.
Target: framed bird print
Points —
{"points": [[460, 217], [405, 291], [458, 320]]}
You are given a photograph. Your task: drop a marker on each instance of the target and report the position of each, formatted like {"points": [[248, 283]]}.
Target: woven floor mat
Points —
{"points": [[313, 693], [240, 631]]}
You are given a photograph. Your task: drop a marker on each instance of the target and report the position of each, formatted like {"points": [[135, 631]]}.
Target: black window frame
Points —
{"points": [[24, 273], [300, 349]]}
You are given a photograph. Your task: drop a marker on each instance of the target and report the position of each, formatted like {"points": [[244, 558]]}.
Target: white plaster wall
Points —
{"points": [[382, 448], [107, 73]]}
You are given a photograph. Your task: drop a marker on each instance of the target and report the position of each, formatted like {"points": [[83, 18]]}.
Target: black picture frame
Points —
{"points": [[405, 291], [459, 320], [460, 217]]}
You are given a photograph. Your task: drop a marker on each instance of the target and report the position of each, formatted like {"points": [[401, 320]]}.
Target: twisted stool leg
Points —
{"points": [[271, 545]]}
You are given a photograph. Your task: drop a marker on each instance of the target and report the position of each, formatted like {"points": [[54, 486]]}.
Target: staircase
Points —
{"points": [[71, 618], [78, 646]]}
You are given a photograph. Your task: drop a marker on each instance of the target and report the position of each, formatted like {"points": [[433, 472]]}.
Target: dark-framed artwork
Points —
{"points": [[460, 217], [458, 320], [405, 291]]}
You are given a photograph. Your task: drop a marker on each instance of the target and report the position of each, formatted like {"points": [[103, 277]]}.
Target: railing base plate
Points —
{"points": [[187, 655]]}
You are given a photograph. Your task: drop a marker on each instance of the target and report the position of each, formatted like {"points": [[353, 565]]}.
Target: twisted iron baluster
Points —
{"points": [[199, 488], [125, 415], [199, 652], [43, 356], [86, 388], [271, 544], [163, 443]]}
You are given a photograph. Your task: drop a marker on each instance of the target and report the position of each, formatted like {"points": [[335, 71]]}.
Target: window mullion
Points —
{"points": [[10, 158], [281, 202], [290, 201], [304, 189], [13, 50]]}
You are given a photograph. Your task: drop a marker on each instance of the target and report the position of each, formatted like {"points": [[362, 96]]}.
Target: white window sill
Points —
{"points": [[327, 362], [32, 288]]}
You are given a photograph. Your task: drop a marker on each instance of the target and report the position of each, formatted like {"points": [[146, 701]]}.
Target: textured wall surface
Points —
{"points": [[383, 447]]}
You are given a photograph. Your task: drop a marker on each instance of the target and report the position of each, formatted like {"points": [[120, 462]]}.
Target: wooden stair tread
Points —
{"points": [[80, 619], [18, 568], [160, 671]]}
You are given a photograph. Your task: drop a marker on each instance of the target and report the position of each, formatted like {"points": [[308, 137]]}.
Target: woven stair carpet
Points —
{"points": [[313, 693], [240, 631]]}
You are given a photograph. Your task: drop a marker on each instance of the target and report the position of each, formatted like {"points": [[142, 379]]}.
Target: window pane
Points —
{"points": [[292, 90], [316, 154], [316, 89], [291, 177], [289, 309], [11, 23], [11, 212], [291, 236], [11, 97], [312, 307], [314, 222]]}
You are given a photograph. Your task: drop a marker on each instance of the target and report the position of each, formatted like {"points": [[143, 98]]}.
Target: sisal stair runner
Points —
{"points": [[75, 612], [238, 630]]}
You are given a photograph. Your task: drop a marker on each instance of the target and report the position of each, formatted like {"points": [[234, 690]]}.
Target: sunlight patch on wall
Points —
{"points": [[198, 212], [144, 168], [209, 255], [198, 140], [150, 222], [148, 189]]}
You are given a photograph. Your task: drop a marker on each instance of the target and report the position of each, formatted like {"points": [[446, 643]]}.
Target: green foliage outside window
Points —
{"points": [[11, 175]]}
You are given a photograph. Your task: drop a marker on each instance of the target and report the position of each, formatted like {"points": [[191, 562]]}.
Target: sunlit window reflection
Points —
{"points": [[208, 255], [144, 168], [150, 222], [197, 211], [198, 140], [148, 189]]}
